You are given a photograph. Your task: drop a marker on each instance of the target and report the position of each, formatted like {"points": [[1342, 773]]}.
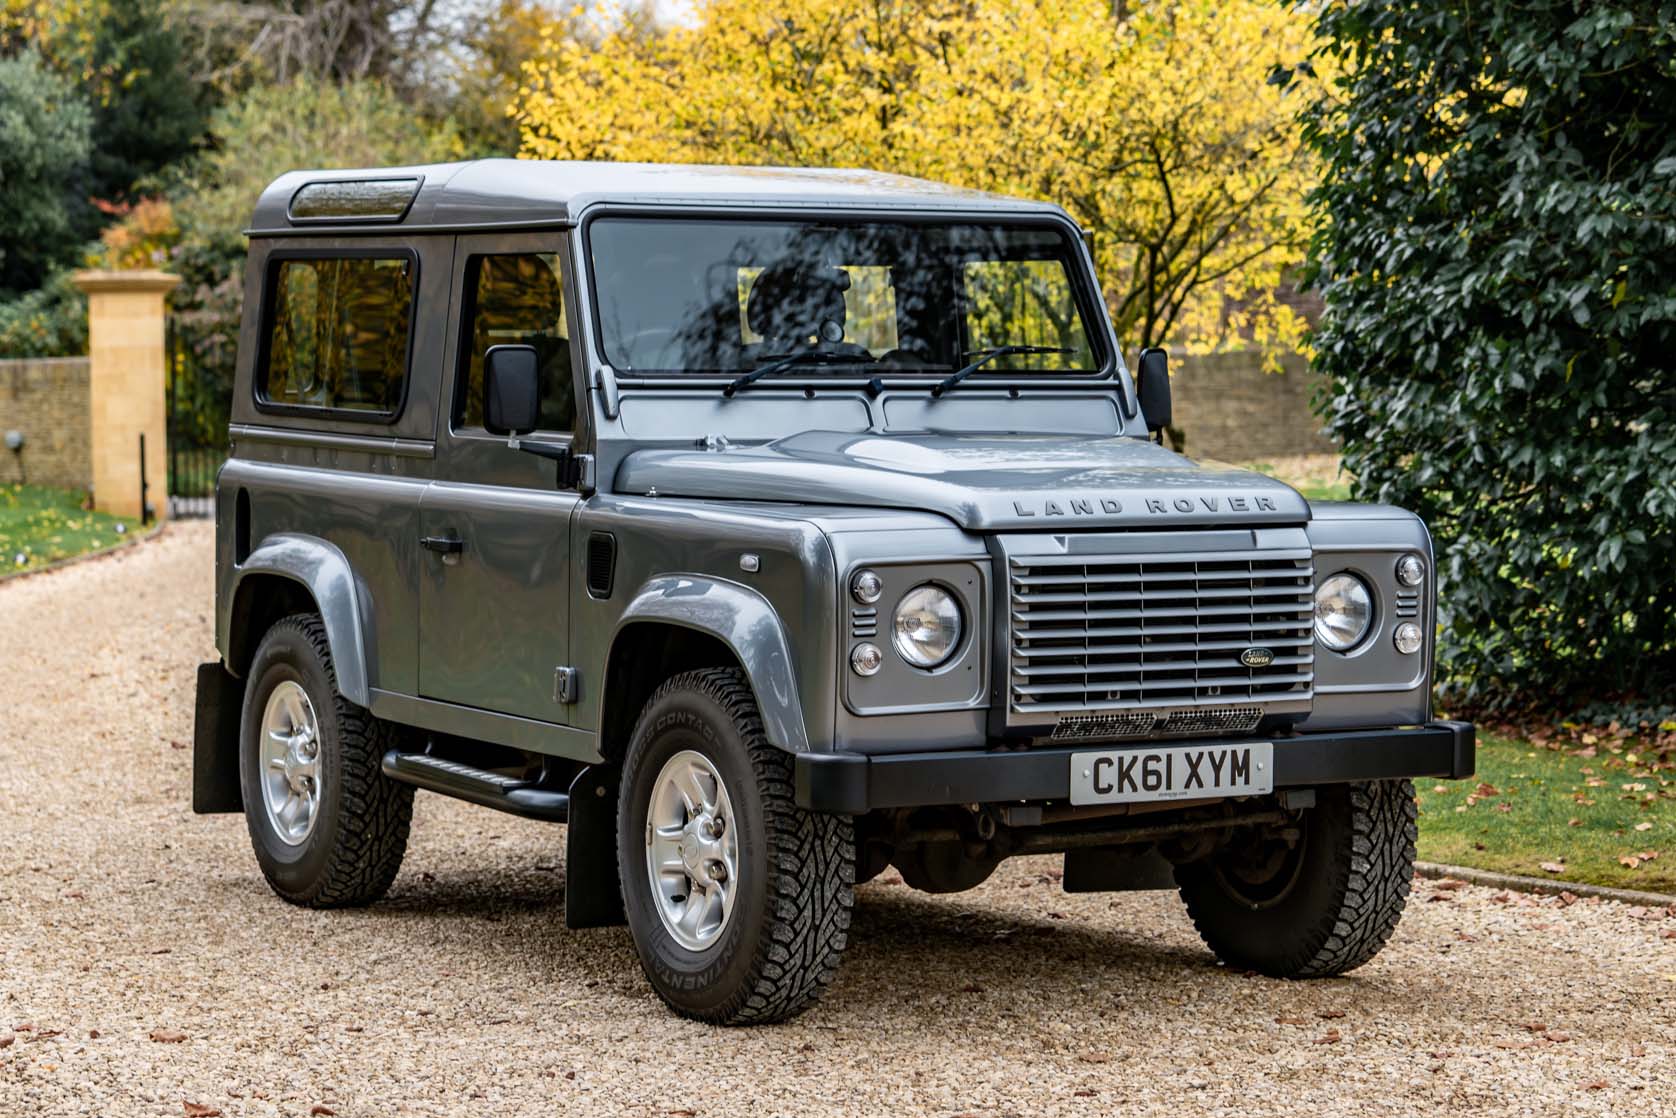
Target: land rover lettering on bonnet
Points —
{"points": [[770, 528]]}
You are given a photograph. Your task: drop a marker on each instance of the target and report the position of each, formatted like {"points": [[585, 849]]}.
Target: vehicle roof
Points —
{"points": [[522, 193]]}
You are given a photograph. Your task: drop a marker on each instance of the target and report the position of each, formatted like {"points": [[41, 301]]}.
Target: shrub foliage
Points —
{"points": [[1498, 259]]}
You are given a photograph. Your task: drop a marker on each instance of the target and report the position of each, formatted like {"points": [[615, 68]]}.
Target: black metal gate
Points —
{"points": [[200, 392]]}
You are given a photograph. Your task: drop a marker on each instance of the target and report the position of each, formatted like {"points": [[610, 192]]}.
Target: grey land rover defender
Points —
{"points": [[771, 528]]}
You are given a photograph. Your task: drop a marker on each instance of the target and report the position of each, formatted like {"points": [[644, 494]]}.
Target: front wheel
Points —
{"points": [[1318, 906], [738, 900]]}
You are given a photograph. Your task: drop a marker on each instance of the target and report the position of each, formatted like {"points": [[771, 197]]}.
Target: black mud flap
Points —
{"points": [[1117, 870], [593, 895], [215, 741]]}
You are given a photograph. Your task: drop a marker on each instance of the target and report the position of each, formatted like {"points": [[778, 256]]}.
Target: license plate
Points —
{"points": [[1186, 772]]}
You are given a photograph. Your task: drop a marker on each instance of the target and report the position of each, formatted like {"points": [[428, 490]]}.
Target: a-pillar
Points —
{"points": [[125, 348]]}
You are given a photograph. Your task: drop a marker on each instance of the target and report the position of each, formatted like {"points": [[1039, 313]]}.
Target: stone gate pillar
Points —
{"points": [[125, 344]]}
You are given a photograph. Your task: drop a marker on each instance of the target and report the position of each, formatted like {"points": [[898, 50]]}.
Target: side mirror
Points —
{"points": [[511, 389], [1153, 385]]}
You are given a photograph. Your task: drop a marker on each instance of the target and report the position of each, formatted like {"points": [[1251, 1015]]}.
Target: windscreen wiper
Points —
{"points": [[985, 356], [790, 360]]}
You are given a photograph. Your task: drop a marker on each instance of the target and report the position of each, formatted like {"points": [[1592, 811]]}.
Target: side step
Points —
{"points": [[479, 786]]}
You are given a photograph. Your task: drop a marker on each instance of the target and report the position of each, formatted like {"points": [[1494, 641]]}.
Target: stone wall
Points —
{"points": [[47, 400], [1229, 409]]}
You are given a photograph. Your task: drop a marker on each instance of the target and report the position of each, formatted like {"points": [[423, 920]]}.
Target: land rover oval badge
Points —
{"points": [[1257, 657]]}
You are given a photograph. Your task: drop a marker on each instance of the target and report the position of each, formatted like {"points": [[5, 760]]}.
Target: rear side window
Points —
{"points": [[517, 299], [338, 334]]}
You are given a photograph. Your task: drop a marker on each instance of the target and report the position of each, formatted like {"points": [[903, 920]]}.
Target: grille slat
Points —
{"points": [[1144, 611], [1202, 593], [1167, 630], [1159, 632], [1134, 668]]}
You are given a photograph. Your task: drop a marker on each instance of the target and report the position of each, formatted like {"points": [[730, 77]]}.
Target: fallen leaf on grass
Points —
{"points": [[1573, 822], [196, 1110], [1643, 826], [1553, 867], [167, 1036], [1630, 861]]}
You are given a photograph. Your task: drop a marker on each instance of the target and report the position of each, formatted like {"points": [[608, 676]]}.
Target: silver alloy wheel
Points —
{"points": [[290, 763], [692, 850]]}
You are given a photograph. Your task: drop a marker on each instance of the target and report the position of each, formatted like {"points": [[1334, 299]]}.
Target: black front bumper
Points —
{"points": [[853, 783]]}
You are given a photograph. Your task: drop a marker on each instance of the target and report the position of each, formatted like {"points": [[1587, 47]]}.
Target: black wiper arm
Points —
{"points": [[985, 357], [801, 357]]}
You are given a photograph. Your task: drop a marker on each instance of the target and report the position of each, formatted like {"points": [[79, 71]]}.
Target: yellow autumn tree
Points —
{"points": [[1152, 121]]}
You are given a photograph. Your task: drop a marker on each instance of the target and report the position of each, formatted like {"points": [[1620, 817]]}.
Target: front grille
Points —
{"points": [[1161, 632]]}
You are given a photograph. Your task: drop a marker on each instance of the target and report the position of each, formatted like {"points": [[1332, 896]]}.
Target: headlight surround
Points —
{"points": [[1343, 611], [927, 626]]}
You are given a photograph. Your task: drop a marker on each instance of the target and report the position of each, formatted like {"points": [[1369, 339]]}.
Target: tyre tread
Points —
{"points": [[811, 858], [375, 813], [1374, 872]]}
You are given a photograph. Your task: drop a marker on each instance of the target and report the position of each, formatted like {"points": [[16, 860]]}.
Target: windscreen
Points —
{"points": [[724, 296]]}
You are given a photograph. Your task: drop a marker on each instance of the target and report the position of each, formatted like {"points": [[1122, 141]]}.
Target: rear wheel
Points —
{"points": [[328, 827], [738, 900], [1321, 906]]}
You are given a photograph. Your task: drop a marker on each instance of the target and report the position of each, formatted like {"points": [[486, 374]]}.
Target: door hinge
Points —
{"points": [[565, 689]]}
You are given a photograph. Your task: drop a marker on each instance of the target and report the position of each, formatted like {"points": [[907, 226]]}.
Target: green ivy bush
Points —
{"points": [[1497, 253]]}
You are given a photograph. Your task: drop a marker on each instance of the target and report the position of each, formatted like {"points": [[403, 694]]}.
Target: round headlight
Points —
{"points": [[1407, 638], [1343, 612], [926, 629], [1410, 570]]}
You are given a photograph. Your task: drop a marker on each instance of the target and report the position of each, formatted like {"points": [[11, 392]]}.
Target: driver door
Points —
{"points": [[494, 623]]}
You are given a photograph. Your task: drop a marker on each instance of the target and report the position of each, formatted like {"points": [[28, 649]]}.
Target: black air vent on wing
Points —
{"points": [[602, 563]]}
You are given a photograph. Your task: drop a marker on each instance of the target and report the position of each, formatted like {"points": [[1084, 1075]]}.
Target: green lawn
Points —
{"points": [[39, 525], [1316, 476], [1531, 807]]}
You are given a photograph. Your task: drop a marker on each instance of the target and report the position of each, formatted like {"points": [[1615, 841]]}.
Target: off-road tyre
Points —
{"points": [[782, 944], [1344, 893], [360, 834]]}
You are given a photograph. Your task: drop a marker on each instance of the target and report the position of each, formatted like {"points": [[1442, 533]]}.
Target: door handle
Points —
{"points": [[443, 545]]}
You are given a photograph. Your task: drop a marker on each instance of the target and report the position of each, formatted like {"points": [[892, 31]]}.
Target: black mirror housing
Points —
{"points": [[1153, 386], [511, 389]]}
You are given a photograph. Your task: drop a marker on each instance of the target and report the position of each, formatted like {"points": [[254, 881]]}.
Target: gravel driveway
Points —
{"points": [[145, 969]]}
